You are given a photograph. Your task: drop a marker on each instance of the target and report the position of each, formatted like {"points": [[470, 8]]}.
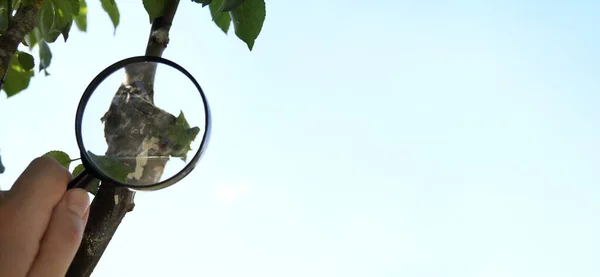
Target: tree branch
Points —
{"points": [[22, 23], [111, 204], [157, 43], [159, 33]]}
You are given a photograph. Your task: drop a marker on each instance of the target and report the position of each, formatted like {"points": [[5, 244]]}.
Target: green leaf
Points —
{"points": [[52, 36], [111, 166], [223, 20], [78, 169], [75, 9], [155, 8], [32, 38], [81, 18], [110, 7], [2, 168], [179, 137], [26, 60], [248, 20], [60, 156], [45, 56], [17, 78], [49, 20], [65, 31], [45, 18], [92, 187], [63, 13], [230, 5]]}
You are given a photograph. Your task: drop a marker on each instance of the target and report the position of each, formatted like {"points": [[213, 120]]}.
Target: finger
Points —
{"points": [[35, 194], [63, 236], [26, 210], [43, 183]]}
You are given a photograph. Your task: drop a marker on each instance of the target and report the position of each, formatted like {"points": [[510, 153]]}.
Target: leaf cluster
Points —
{"points": [[247, 16], [54, 19]]}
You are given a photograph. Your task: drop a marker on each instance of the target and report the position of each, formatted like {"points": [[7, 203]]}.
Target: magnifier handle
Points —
{"points": [[81, 180]]}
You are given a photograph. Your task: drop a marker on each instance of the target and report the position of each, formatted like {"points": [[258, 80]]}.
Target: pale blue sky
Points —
{"points": [[397, 138]]}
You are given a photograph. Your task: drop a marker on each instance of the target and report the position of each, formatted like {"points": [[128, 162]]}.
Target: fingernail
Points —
{"points": [[78, 201]]}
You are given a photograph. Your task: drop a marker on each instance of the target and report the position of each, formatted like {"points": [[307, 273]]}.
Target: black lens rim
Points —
{"points": [[95, 171]]}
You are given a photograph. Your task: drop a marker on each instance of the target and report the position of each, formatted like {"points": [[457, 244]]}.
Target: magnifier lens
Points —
{"points": [[143, 124]]}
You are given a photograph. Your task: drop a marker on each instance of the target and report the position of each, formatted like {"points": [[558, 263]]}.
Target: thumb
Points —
{"points": [[63, 236]]}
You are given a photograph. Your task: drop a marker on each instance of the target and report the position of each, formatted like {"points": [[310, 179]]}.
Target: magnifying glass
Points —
{"points": [[142, 123]]}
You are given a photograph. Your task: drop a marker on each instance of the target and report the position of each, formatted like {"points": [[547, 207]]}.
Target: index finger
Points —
{"points": [[26, 212], [35, 193]]}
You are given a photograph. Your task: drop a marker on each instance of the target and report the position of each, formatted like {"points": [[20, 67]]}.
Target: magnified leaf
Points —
{"points": [[60, 156], [111, 166], [179, 137]]}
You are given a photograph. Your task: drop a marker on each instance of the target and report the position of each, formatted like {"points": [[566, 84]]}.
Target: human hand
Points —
{"points": [[41, 223]]}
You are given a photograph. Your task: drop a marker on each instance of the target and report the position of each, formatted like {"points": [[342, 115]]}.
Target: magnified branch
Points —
{"points": [[136, 129], [111, 203]]}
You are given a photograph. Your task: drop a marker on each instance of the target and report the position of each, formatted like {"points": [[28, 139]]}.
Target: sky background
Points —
{"points": [[397, 138]]}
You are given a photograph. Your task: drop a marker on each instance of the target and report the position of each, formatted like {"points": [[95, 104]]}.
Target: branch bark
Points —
{"points": [[109, 207], [159, 33], [111, 204], [22, 23]]}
